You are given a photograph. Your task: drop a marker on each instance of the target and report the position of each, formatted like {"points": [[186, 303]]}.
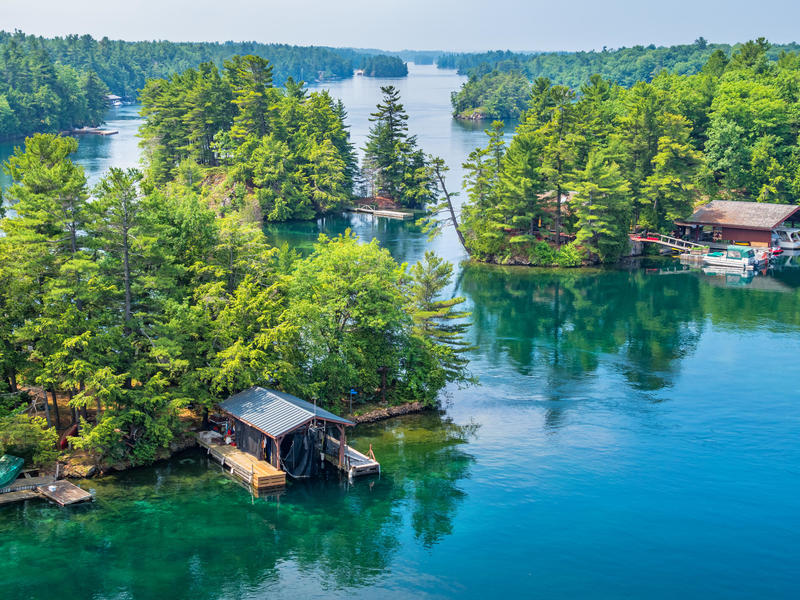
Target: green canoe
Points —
{"points": [[10, 467]]}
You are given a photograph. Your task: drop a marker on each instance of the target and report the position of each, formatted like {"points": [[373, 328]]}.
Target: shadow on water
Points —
{"points": [[184, 529]]}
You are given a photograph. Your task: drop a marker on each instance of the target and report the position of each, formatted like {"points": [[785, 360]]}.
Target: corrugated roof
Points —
{"points": [[745, 215], [275, 412]]}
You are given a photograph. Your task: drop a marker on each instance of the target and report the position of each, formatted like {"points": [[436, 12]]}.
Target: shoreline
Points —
{"points": [[79, 466]]}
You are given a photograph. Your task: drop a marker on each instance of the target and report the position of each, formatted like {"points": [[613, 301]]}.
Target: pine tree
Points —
{"points": [[603, 209]]}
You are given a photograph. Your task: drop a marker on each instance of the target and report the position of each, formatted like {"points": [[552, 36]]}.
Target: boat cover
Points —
{"points": [[10, 466]]}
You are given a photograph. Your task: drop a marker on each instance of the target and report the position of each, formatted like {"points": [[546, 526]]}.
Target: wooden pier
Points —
{"points": [[673, 243], [381, 212], [28, 487], [355, 463], [258, 474], [64, 493]]}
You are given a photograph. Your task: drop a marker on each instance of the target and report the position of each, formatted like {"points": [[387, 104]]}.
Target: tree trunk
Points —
{"points": [[127, 273], [55, 407], [46, 409], [558, 215], [452, 212], [12, 380]]}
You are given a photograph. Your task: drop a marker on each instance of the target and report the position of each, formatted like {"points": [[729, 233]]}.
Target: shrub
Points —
{"points": [[570, 255], [29, 438]]}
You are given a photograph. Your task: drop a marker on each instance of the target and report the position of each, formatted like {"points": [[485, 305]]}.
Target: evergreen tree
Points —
{"points": [[602, 205]]}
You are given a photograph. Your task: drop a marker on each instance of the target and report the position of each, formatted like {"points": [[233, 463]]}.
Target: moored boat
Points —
{"points": [[787, 238], [10, 467], [741, 257]]}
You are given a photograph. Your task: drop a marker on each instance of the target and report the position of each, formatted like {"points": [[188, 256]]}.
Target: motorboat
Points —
{"points": [[787, 238], [741, 257]]}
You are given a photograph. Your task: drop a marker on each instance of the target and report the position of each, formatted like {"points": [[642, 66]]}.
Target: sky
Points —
{"points": [[464, 25]]}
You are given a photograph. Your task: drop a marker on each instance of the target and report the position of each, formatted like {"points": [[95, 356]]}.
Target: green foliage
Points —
{"points": [[623, 66], [496, 95], [382, 65], [39, 94], [395, 167], [287, 149], [29, 438], [637, 157], [143, 302], [124, 67]]}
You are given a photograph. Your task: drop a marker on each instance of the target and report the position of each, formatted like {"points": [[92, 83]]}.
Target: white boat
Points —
{"points": [[738, 257], [787, 238]]}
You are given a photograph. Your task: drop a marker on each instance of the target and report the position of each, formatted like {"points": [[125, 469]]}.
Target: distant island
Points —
{"points": [[383, 66], [499, 81]]}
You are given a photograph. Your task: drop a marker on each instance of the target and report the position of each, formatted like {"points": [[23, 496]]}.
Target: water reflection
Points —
{"points": [[184, 526], [563, 325]]}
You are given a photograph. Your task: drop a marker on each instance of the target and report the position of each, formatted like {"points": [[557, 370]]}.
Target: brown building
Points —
{"points": [[727, 221]]}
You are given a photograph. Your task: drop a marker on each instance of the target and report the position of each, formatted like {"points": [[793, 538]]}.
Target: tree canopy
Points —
{"points": [[619, 158], [137, 301], [282, 151]]}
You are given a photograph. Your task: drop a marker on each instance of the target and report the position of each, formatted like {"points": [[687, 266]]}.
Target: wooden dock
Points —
{"points": [[380, 212], [258, 474], [64, 493], [20, 496], [27, 487], [355, 463]]}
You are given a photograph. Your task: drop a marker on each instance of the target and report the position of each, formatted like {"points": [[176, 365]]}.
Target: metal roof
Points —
{"points": [[743, 215], [274, 412]]}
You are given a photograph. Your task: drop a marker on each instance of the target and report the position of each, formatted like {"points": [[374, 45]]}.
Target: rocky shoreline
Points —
{"points": [[380, 414], [80, 466]]}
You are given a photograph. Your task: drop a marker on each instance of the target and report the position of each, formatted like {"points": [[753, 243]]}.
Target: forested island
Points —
{"points": [[55, 84], [585, 167], [495, 88], [143, 301], [383, 66]]}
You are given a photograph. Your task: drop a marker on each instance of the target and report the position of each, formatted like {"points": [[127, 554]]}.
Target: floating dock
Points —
{"points": [[64, 493], [27, 487], [258, 474]]}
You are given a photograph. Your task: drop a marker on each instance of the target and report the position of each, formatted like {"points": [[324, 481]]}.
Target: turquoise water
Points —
{"points": [[634, 434]]}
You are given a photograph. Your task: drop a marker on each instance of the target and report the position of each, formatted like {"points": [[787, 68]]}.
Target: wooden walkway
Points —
{"points": [[259, 474], [669, 242], [26, 487], [27, 483], [355, 463], [380, 212], [11, 497]]}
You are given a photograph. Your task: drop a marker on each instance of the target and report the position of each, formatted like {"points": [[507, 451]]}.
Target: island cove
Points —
{"points": [[617, 409]]}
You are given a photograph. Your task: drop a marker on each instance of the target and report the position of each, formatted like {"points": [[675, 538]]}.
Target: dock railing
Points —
{"points": [[669, 241]]}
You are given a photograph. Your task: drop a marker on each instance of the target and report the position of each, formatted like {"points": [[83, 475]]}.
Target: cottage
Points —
{"points": [[726, 221]]}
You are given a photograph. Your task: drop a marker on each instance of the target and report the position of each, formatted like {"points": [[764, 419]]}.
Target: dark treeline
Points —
{"points": [[621, 159], [624, 66], [493, 88], [125, 66], [54, 84], [39, 94]]}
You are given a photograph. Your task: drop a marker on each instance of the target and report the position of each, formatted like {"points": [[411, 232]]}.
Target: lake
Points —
{"points": [[634, 434]]}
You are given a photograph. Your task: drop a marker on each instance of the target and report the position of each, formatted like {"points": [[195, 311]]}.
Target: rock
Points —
{"points": [[79, 470], [380, 414]]}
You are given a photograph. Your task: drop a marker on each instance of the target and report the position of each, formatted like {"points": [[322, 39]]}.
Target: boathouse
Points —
{"points": [[289, 435], [728, 221]]}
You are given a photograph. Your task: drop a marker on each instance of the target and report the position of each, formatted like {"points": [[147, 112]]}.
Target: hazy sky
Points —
{"points": [[416, 24]]}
